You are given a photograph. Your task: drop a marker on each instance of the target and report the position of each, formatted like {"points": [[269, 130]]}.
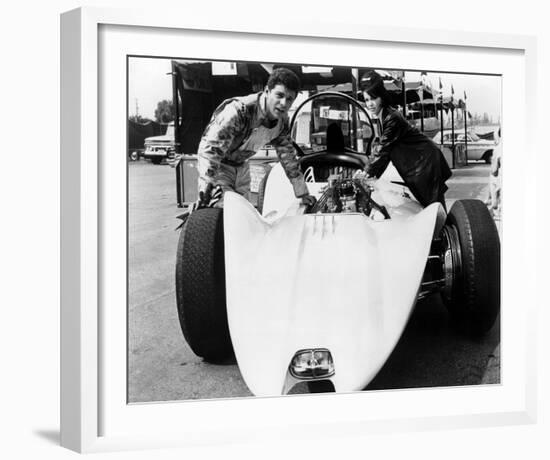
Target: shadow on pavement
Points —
{"points": [[430, 353]]}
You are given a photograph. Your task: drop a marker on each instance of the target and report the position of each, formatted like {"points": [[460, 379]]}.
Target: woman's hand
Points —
{"points": [[376, 147], [368, 166]]}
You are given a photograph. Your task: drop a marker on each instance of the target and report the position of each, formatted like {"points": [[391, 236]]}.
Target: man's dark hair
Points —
{"points": [[286, 77]]}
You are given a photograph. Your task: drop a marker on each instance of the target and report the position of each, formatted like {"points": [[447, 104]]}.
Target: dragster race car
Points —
{"points": [[322, 295]]}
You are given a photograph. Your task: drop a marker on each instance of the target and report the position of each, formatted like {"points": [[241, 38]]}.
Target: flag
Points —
{"points": [[464, 95], [440, 84], [452, 94]]}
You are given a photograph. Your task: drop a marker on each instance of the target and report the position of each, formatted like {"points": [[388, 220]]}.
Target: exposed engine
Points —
{"points": [[346, 195]]}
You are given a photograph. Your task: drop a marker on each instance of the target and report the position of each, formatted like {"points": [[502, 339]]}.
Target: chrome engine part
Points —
{"points": [[348, 195]]}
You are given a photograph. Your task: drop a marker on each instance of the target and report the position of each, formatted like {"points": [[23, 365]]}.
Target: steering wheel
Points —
{"points": [[343, 156], [346, 158]]}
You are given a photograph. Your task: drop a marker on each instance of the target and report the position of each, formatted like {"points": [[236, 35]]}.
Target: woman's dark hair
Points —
{"points": [[373, 84], [381, 92], [286, 77]]}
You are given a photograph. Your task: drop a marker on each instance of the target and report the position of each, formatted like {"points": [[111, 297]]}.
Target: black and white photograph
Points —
{"points": [[236, 230], [310, 228]]}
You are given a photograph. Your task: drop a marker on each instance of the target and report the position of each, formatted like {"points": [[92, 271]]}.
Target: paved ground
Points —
{"points": [[163, 368]]}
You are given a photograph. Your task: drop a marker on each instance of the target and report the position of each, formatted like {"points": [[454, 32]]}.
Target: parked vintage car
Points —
{"points": [[158, 148], [478, 148], [322, 295]]}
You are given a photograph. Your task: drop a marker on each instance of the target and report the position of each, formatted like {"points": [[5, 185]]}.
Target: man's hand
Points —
{"points": [[207, 199], [309, 200]]}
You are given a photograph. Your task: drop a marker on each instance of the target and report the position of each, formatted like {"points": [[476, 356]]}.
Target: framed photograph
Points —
{"points": [[138, 92]]}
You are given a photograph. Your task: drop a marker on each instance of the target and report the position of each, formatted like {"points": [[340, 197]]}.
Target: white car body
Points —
{"points": [[323, 296], [297, 281]]}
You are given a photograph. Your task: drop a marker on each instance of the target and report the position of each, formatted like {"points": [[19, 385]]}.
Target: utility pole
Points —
{"points": [[404, 90], [453, 118], [465, 127], [441, 109], [423, 76], [355, 126]]}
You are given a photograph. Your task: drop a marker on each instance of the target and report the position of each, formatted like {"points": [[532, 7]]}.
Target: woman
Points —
{"points": [[417, 158]]}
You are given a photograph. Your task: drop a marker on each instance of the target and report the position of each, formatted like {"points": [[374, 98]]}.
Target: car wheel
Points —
{"points": [[200, 285], [134, 156], [487, 157], [261, 190], [320, 386], [471, 255]]}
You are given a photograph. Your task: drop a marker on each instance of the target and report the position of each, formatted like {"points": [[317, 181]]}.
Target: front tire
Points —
{"points": [[472, 267], [200, 285]]}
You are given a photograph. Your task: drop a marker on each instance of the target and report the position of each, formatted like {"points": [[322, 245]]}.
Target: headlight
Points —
{"points": [[312, 364]]}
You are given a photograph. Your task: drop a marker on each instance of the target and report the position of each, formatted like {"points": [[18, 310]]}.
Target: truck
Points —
{"points": [[158, 148]]}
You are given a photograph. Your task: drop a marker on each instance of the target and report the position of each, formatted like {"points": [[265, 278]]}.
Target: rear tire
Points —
{"points": [[473, 299], [200, 285]]}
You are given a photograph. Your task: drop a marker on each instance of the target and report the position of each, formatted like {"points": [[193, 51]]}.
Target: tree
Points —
{"points": [[164, 112]]}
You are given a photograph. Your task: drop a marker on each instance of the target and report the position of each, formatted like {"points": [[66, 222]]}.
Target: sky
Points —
{"points": [[483, 92], [149, 82]]}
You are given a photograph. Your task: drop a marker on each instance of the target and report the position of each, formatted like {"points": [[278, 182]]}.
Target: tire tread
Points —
{"points": [[476, 300], [200, 285]]}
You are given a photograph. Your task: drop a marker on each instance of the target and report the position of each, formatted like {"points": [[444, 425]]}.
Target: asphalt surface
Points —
{"points": [[163, 368]]}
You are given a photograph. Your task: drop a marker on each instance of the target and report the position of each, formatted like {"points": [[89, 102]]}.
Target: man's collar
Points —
{"points": [[263, 119]]}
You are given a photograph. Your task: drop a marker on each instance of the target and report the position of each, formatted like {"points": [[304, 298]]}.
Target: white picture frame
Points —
{"points": [[94, 413]]}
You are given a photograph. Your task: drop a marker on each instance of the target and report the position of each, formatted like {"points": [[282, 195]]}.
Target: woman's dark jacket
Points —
{"points": [[416, 157]]}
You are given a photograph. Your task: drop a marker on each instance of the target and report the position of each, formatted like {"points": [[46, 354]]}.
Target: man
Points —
{"points": [[242, 125]]}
